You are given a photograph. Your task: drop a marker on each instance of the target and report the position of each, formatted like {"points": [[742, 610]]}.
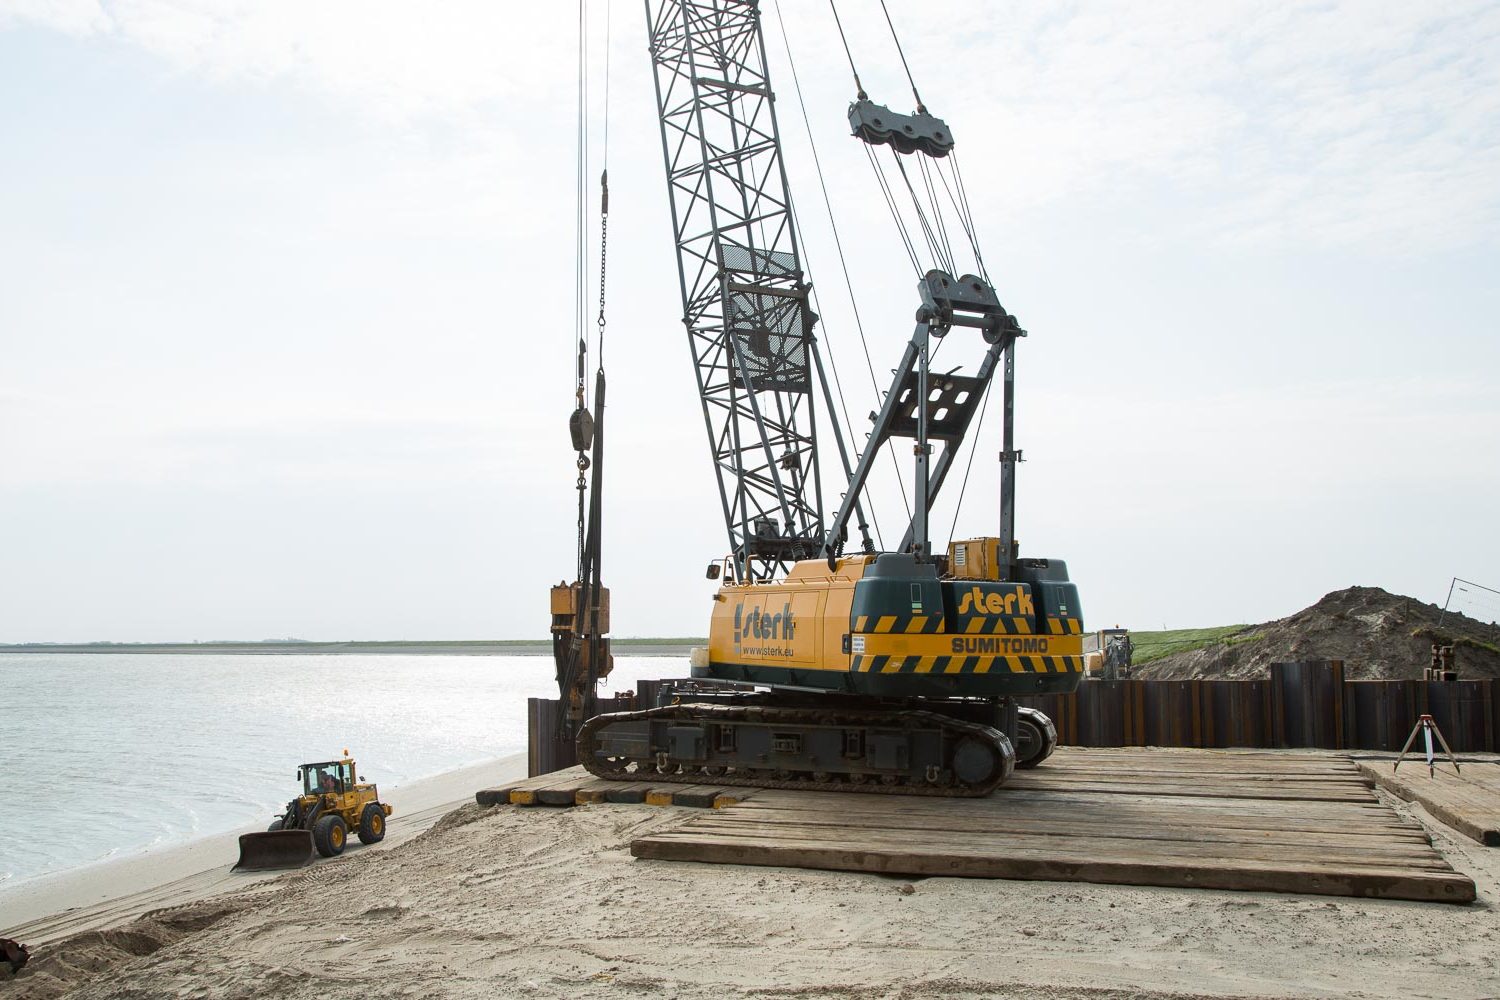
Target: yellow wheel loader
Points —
{"points": [[318, 822]]}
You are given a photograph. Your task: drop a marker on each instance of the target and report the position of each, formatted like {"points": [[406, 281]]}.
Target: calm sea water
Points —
{"points": [[107, 753]]}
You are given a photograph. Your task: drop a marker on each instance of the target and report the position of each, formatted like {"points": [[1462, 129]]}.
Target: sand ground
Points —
{"points": [[548, 903], [106, 894]]}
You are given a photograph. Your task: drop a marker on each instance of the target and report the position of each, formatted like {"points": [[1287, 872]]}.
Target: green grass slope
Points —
{"points": [[1154, 645]]}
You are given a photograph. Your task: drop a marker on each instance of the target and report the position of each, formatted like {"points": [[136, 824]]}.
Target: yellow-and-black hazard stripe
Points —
{"points": [[1063, 626], [930, 624], [899, 624], [997, 625], [896, 664]]}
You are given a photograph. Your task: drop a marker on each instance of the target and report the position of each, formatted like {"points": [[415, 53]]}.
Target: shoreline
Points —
{"points": [[43, 908]]}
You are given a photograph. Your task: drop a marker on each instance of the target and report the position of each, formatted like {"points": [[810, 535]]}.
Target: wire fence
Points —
{"points": [[1474, 601]]}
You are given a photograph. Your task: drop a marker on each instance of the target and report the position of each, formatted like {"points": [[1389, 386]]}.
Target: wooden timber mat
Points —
{"points": [[574, 786], [1298, 823], [1468, 801]]}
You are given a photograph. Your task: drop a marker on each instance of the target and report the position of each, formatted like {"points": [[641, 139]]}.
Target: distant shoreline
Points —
{"points": [[480, 647]]}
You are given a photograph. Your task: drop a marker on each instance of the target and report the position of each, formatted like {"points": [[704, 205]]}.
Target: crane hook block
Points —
{"points": [[581, 427], [878, 125]]}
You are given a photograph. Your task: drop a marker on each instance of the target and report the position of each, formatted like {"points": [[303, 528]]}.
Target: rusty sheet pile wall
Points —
{"points": [[1301, 704]]}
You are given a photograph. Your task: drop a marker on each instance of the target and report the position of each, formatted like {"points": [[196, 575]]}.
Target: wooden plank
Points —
{"points": [[1128, 768], [1354, 780], [1470, 807], [558, 795], [1209, 828], [1077, 848], [1216, 790], [574, 773], [1353, 824], [1352, 776], [1131, 773], [697, 796], [1209, 757], [1317, 879], [496, 796], [593, 791], [626, 793], [1261, 766], [548, 789], [1160, 808], [1151, 762], [700, 796], [1189, 789]]}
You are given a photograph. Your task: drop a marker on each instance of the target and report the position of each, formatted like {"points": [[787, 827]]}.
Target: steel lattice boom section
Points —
{"points": [[744, 295]]}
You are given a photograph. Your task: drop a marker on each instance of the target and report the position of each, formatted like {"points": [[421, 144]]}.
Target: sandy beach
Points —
{"points": [[50, 907], [509, 901]]}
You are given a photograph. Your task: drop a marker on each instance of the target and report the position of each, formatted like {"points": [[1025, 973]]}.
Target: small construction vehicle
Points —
{"points": [[332, 803]]}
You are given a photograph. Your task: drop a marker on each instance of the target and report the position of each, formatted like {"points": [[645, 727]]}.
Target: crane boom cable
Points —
{"points": [[911, 252], [973, 448], [580, 221], [580, 328], [859, 88], [927, 230], [607, 37], [965, 220], [921, 109], [838, 243], [604, 195], [937, 211], [963, 199], [890, 204]]}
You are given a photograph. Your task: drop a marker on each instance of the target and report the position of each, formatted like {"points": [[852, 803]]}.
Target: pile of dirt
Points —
{"points": [[59, 968], [1378, 635]]}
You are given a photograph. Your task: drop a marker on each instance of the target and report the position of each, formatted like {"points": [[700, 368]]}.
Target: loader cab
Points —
{"points": [[336, 776]]}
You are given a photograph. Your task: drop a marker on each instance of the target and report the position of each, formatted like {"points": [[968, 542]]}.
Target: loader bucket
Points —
{"points": [[275, 849]]}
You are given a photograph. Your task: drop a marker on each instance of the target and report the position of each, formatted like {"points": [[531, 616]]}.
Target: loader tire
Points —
{"points": [[330, 835], [372, 824], [275, 825]]}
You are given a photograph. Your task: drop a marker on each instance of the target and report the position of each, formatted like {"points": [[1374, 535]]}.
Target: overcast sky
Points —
{"points": [[286, 328]]}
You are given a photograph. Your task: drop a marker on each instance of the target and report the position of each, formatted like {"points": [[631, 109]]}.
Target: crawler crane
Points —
{"points": [[833, 665]]}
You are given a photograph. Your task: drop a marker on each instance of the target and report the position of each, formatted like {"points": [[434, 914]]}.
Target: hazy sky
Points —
{"points": [[285, 305]]}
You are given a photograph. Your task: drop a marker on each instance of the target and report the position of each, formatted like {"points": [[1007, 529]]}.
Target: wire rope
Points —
{"points": [[890, 204], [580, 281], [604, 194], [843, 265], [921, 109], [968, 211], [937, 212], [965, 221], [973, 448], [927, 231], [858, 87]]}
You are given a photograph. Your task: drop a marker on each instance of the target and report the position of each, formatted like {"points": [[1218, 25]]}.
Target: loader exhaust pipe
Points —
{"points": [[275, 849]]}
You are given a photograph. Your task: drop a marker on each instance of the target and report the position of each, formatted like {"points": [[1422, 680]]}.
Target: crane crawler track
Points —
{"points": [[944, 756]]}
